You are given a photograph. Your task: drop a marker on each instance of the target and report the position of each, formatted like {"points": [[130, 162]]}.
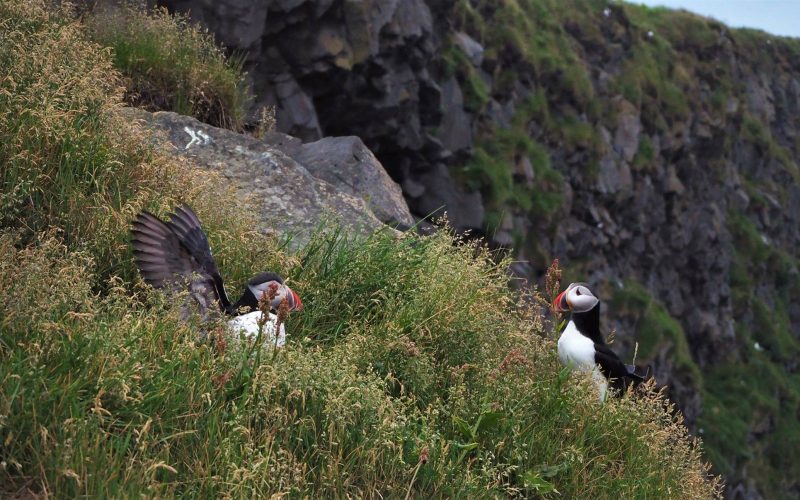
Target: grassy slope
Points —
{"points": [[413, 370]]}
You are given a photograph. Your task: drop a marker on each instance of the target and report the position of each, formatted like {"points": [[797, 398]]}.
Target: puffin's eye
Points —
{"points": [[578, 291]]}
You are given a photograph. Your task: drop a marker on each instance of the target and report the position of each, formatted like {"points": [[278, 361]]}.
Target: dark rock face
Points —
{"points": [[438, 193], [357, 67], [346, 163], [651, 196]]}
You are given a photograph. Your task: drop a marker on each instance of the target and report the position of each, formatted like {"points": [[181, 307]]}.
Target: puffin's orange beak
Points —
{"points": [[560, 303], [298, 304]]}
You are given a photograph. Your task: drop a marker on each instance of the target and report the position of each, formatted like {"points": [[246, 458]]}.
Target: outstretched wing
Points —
{"points": [[186, 226], [166, 262], [161, 259]]}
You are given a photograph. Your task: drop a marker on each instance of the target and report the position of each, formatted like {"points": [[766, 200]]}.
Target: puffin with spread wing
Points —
{"points": [[175, 255]]}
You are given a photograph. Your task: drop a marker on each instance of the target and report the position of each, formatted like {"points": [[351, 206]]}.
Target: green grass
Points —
{"points": [[757, 392], [748, 240], [490, 170], [756, 132], [645, 155], [46, 172], [413, 371], [66, 158], [655, 329], [117, 397], [456, 62], [171, 64]]}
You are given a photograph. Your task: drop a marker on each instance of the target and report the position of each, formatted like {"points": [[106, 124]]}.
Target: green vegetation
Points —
{"points": [[576, 66], [529, 35], [757, 133], [413, 370], [476, 94], [645, 155], [67, 159], [759, 396], [489, 167], [650, 79], [668, 65], [655, 329], [170, 64]]}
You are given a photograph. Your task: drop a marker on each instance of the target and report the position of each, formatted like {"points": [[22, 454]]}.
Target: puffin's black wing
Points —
{"points": [[611, 365], [186, 226], [165, 262], [160, 257]]}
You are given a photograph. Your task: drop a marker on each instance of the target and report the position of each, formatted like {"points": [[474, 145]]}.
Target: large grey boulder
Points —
{"points": [[348, 164], [290, 198]]}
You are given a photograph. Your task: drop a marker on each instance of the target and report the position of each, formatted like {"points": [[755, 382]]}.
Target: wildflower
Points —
{"points": [[283, 313], [264, 304]]}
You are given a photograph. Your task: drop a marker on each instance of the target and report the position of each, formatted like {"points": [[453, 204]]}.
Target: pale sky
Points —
{"points": [[779, 17]]}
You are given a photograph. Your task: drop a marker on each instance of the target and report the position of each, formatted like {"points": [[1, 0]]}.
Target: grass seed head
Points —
{"points": [[283, 314], [553, 280]]}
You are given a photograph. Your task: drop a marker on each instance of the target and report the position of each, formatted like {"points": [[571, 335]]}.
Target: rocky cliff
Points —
{"points": [[654, 152]]}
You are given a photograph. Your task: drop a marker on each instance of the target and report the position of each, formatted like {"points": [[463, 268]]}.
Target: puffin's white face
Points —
{"points": [[576, 298], [281, 292]]}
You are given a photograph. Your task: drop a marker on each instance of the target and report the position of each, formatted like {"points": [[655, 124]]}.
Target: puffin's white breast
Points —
{"points": [[247, 324], [577, 350]]}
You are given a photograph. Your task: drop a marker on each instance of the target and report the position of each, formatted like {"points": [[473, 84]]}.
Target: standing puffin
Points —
{"points": [[175, 255], [582, 346]]}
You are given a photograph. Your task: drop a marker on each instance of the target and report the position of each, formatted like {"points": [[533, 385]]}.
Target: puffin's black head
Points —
{"points": [[261, 283], [576, 298]]}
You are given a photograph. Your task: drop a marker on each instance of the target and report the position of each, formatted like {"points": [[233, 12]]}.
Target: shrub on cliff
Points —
{"points": [[414, 370], [170, 64]]}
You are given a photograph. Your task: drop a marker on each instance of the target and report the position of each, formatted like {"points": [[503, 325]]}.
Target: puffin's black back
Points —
{"points": [[588, 324]]}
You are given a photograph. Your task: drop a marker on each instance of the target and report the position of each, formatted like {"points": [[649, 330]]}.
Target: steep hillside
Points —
{"points": [[413, 371], [654, 152]]}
